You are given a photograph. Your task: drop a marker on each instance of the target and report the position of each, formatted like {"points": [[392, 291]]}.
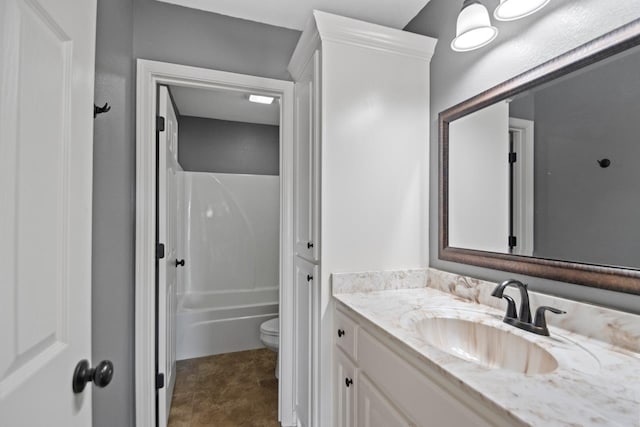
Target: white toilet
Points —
{"points": [[270, 337]]}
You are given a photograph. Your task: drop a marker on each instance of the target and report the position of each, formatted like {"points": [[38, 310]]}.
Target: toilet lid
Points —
{"points": [[271, 327]]}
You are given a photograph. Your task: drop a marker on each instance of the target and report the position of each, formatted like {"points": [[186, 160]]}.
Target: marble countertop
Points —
{"points": [[595, 384]]}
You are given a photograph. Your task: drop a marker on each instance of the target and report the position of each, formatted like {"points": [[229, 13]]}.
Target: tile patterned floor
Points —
{"points": [[226, 390]]}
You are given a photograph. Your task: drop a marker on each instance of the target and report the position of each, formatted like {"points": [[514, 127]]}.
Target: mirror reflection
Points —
{"points": [[553, 172]]}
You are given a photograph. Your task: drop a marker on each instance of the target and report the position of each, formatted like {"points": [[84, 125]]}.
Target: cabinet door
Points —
{"points": [[306, 204], [419, 397], [346, 390], [304, 282], [374, 410]]}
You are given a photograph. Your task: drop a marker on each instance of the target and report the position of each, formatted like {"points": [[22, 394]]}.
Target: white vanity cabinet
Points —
{"points": [[306, 211], [307, 160], [361, 107], [375, 410], [346, 378], [388, 388], [305, 275]]}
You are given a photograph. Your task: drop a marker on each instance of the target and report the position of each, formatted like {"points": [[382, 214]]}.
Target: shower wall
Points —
{"points": [[230, 243], [232, 232]]}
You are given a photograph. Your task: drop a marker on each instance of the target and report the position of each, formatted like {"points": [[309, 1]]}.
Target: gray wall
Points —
{"points": [[582, 211], [169, 33], [521, 45], [113, 213], [208, 145], [166, 33], [523, 107]]}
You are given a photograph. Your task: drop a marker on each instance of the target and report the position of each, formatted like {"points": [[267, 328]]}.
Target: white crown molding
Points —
{"points": [[329, 27], [352, 31]]}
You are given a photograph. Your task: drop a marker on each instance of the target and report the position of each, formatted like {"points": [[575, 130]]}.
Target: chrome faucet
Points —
{"points": [[523, 319]]}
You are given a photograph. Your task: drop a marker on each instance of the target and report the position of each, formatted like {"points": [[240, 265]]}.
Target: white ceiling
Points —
{"points": [[295, 13], [224, 105]]}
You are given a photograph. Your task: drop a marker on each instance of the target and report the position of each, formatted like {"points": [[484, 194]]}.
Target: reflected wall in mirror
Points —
{"points": [[541, 175]]}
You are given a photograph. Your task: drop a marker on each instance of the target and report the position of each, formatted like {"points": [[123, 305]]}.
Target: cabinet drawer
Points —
{"points": [[345, 331]]}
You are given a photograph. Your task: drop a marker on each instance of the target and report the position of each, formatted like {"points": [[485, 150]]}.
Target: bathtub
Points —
{"points": [[212, 323]]}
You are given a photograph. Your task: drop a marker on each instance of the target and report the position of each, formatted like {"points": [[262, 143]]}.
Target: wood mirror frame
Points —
{"points": [[606, 277]]}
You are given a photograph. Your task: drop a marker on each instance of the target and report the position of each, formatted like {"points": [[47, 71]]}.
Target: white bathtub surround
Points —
{"points": [[378, 280], [596, 383], [210, 324], [231, 239], [230, 244]]}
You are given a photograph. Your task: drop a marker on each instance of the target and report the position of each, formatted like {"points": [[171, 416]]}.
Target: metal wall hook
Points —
{"points": [[99, 110]]}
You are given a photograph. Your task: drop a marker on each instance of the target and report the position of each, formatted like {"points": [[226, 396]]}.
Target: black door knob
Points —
{"points": [[309, 277], [340, 333], [309, 245], [100, 375], [348, 381], [180, 263]]}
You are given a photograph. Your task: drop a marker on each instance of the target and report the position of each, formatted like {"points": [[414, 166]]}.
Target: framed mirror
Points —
{"points": [[540, 175]]}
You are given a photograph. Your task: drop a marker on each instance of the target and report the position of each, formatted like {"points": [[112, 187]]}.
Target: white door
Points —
{"points": [[307, 161], [168, 168], [304, 282], [47, 50]]}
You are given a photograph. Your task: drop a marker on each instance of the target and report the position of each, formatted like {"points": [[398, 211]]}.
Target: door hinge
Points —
{"points": [[160, 250], [159, 380], [160, 123], [513, 241], [513, 157]]}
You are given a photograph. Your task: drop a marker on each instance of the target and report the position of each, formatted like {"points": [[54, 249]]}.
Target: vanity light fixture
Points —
{"points": [[473, 28], [510, 10], [261, 99]]}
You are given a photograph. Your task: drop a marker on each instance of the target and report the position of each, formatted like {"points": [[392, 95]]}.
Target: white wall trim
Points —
{"points": [[329, 27], [149, 75]]}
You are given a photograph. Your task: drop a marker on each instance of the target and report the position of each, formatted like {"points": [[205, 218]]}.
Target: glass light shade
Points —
{"points": [[510, 10], [473, 28]]}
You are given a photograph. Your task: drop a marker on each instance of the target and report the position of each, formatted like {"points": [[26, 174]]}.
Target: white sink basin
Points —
{"points": [[486, 345]]}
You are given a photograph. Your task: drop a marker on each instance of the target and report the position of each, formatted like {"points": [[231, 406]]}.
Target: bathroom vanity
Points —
{"points": [[430, 348], [370, 367]]}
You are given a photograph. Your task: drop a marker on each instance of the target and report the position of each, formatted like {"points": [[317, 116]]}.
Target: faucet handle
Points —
{"points": [[540, 321], [511, 307]]}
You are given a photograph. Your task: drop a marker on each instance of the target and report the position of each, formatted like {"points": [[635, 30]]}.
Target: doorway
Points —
{"points": [[175, 302]]}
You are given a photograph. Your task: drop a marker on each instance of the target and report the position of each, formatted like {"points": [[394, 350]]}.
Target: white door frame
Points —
{"points": [[150, 74], [523, 202]]}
